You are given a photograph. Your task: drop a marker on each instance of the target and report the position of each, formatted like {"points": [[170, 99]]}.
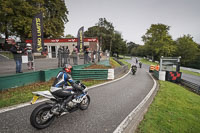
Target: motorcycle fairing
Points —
{"points": [[46, 94]]}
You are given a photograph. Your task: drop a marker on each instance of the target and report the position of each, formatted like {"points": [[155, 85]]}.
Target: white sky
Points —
{"points": [[132, 18]]}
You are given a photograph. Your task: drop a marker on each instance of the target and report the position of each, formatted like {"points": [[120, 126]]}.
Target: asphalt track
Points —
{"points": [[110, 104]]}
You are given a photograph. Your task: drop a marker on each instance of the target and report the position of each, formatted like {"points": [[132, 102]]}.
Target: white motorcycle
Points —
{"points": [[44, 114]]}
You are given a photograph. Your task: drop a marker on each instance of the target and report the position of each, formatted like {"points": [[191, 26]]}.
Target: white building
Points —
{"points": [[53, 45]]}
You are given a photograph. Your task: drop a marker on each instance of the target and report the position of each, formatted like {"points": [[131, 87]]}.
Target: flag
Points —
{"points": [[80, 36], [37, 33]]}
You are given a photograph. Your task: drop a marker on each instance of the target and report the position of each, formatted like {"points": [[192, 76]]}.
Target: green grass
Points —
{"points": [[126, 63], [24, 94], [190, 72], [174, 110], [125, 57], [7, 54], [144, 61], [114, 63]]}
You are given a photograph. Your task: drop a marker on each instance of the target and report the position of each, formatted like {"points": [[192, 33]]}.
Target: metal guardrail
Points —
{"points": [[194, 87]]}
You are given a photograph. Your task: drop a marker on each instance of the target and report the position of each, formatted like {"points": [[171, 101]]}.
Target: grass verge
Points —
{"points": [[126, 63], [174, 109], [7, 54], [24, 94], [148, 62], [190, 72]]}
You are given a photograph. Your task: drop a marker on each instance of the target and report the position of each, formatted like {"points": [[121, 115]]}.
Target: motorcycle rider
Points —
{"points": [[64, 85], [134, 68]]}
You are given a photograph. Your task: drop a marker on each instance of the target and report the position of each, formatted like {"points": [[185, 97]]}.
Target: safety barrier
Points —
{"points": [[16, 80], [98, 74], [194, 87]]}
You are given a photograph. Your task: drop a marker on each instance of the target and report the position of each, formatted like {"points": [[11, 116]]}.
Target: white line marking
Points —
{"points": [[128, 119]]}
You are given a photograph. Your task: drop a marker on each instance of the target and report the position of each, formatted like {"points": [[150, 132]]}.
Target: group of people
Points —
{"points": [[89, 56], [63, 55], [18, 51]]}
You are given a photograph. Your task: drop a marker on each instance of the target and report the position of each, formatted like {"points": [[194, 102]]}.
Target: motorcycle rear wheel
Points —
{"points": [[85, 103], [39, 117]]}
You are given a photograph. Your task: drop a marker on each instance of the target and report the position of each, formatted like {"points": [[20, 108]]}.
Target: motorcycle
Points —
{"points": [[133, 69], [44, 114]]}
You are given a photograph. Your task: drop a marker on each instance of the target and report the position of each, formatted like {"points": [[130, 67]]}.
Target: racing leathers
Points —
{"points": [[64, 85]]}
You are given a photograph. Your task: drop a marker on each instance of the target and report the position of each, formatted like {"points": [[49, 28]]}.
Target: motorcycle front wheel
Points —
{"points": [[85, 103], [41, 116]]}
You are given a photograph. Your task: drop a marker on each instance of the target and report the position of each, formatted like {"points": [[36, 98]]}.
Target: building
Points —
{"points": [[53, 45]]}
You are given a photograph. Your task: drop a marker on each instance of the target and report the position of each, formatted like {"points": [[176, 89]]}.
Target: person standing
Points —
{"points": [[59, 57], [85, 55], [29, 53], [66, 53], [140, 64], [74, 56], [17, 53], [136, 60], [94, 56]]}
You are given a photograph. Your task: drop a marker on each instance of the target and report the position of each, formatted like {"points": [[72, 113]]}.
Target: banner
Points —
{"points": [[80, 36], [37, 33]]}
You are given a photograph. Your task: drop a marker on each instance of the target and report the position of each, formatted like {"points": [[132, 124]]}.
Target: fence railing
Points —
{"points": [[194, 87]]}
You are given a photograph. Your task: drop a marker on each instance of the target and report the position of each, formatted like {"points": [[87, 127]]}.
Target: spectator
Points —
{"points": [[74, 56], [86, 52], [17, 53], [94, 56], [66, 53], [60, 57], [29, 53]]}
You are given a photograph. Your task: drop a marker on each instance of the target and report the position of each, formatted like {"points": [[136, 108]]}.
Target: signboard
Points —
{"points": [[37, 33], [80, 36]]}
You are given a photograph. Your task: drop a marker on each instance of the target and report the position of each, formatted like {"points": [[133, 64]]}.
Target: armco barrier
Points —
{"points": [[16, 80], [98, 74], [194, 87]]}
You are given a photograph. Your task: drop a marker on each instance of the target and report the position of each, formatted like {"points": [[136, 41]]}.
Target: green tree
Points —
{"points": [[16, 17], [131, 48], [69, 36], [119, 45], [187, 49], [108, 37], [104, 30], [159, 42]]}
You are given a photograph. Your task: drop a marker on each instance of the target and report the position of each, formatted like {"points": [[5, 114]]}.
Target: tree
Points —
{"points": [[69, 36], [119, 45], [187, 49], [109, 38], [158, 41], [16, 17], [131, 48], [104, 30]]}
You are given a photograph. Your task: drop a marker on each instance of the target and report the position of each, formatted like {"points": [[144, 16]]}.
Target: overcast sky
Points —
{"points": [[132, 18]]}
